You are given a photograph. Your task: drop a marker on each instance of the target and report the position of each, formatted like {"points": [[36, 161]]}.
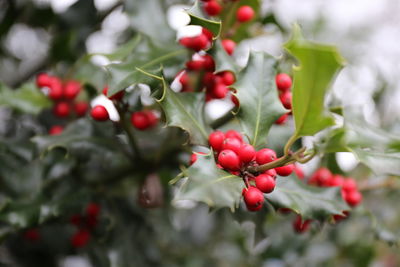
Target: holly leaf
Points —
{"points": [[197, 18], [318, 65], [308, 201], [207, 183], [27, 99], [380, 162], [259, 103]]}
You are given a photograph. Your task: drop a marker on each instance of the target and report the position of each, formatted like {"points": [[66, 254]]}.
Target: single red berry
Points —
{"points": [[216, 140], [336, 180], [265, 183], [196, 43], [43, 80], [283, 82], [234, 134], [76, 219], [207, 33], [349, 185], [282, 119], [286, 99], [209, 79], [92, 209], [32, 235], [254, 208], [253, 197], [208, 62], [244, 13], [233, 144], [81, 108], [247, 153], [194, 65], [152, 117], [80, 238], [140, 120], [118, 96], [55, 89], [220, 91], [99, 113], [184, 78], [301, 226], [212, 8], [265, 155], [71, 89], [229, 160], [228, 78], [271, 172], [235, 100], [61, 109], [285, 170], [229, 46], [56, 130], [353, 198], [237, 173], [299, 172], [320, 177]]}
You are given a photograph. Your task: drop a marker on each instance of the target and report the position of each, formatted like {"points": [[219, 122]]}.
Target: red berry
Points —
{"points": [[61, 109], [32, 235], [80, 238], [235, 100], [300, 226], [43, 80], [265, 155], [283, 82], [286, 99], [234, 134], [285, 170], [233, 144], [349, 185], [212, 8], [247, 153], [271, 172], [220, 91], [208, 62], [99, 113], [56, 130], [353, 198], [55, 89], [184, 78], [253, 197], [207, 33], [216, 140], [118, 96], [194, 65], [265, 183], [81, 108], [244, 13], [71, 89], [229, 46], [151, 116], [92, 209], [228, 78], [193, 158], [196, 43], [321, 177], [338, 217], [140, 120], [282, 119], [229, 160], [336, 180], [254, 208], [299, 172]]}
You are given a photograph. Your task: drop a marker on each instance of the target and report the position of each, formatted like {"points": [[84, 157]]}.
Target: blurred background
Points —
{"points": [[40, 35]]}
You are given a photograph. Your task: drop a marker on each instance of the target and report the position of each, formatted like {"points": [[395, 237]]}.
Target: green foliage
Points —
{"points": [[197, 18]]}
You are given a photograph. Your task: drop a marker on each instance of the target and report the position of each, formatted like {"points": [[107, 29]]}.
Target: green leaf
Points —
{"points": [[27, 99], [384, 162], [223, 61], [333, 141], [259, 103], [318, 65], [211, 185], [308, 201], [197, 18]]}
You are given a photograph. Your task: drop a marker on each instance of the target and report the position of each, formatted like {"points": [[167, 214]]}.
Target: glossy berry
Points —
{"points": [[247, 153], [207, 33], [285, 170], [216, 140], [254, 208], [140, 120], [71, 89], [152, 118], [228, 78], [271, 172], [244, 13], [61, 109], [81, 108], [80, 238], [43, 80], [336, 180], [229, 46], [208, 62], [234, 134], [220, 91], [195, 43], [282, 119], [92, 209], [56, 130], [212, 8], [349, 185], [233, 144], [265, 155], [229, 160], [321, 177], [353, 198], [301, 226], [265, 183], [286, 99], [194, 65], [118, 96], [99, 113], [283, 82], [55, 89], [253, 197]]}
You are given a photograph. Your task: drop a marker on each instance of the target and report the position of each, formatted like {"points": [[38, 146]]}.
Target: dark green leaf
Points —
{"points": [[197, 18]]}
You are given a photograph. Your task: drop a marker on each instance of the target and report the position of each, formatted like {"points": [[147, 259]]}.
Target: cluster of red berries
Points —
{"points": [[235, 156], [64, 96], [214, 8], [85, 224], [284, 84]]}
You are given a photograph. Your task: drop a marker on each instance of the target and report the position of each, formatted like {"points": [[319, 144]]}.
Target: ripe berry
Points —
{"points": [[43, 80], [195, 43], [233, 144], [247, 153], [244, 13], [336, 180], [118, 96], [282, 119], [99, 113], [253, 197], [216, 140], [212, 8], [56, 130], [265, 155], [286, 99], [283, 82], [140, 120], [271, 172], [265, 183], [229, 160], [55, 89], [285, 170], [300, 226], [81, 108], [93, 209], [233, 134], [208, 62], [151, 117], [71, 89], [207, 33], [194, 65], [193, 158], [299, 172], [80, 238], [254, 208], [229, 46], [220, 91], [353, 198], [320, 177], [61, 109], [228, 78], [349, 185], [338, 217], [235, 100]]}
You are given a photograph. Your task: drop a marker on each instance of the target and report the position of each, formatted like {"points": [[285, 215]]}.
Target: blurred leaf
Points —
{"points": [[318, 65], [384, 162], [209, 184], [309, 201], [197, 17], [333, 141], [27, 99], [259, 103]]}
